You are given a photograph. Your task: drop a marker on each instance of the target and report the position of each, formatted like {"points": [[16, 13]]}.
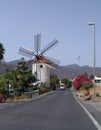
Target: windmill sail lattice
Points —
{"points": [[38, 58]]}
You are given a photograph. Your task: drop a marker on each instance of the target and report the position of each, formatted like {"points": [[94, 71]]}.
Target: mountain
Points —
{"points": [[12, 62], [68, 71], [4, 66]]}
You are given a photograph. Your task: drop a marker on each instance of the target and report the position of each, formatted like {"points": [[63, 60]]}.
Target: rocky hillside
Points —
{"points": [[5, 66], [69, 71]]}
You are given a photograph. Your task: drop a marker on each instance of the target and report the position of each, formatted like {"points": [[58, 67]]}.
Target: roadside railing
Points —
{"points": [[32, 93]]}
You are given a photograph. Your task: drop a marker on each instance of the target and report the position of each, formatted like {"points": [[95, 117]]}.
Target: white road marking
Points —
{"points": [[97, 125]]}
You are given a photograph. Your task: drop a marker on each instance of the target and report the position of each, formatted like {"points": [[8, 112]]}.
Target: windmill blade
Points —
{"points": [[55, 61], [49, 66], [26, 52], [29, 62], [49, 46], [37, 42]]}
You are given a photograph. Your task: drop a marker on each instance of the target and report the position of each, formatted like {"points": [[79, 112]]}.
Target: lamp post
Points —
{"points": [[93, 24], [78, 59], [78, 62]]}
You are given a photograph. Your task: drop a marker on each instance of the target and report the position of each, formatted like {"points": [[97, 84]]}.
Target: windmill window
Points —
{"points": [[41, 66]]}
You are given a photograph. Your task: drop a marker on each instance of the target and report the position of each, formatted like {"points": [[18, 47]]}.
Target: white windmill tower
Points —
{"points": [[40, 64]]}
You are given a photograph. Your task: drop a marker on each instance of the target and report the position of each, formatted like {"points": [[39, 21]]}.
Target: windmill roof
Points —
{"points": [[41, 59]]}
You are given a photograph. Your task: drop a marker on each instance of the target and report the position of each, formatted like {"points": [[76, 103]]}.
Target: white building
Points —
{"points": [[97, 79], [42, 68]]}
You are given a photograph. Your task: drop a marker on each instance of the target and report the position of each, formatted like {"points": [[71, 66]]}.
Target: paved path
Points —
{"points": [[95, 109], [55, 111]]}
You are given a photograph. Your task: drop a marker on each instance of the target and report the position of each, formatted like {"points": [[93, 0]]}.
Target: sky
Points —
{"points": [[65, 20]]}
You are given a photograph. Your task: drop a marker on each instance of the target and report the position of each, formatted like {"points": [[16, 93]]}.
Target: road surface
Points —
{"points": [[56, 111]]}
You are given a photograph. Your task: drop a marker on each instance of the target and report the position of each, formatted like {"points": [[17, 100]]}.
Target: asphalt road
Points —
{"points": [[55, 111]]}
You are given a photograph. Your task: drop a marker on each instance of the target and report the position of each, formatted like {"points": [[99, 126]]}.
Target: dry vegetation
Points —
{"points": [[97, 91], [17, 98], [95, 98]]}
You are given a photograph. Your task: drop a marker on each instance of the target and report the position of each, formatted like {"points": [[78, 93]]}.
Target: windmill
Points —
{"points": [[40, 64]]}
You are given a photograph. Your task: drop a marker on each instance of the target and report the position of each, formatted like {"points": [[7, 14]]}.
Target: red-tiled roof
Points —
{"points": [[41, 59]]}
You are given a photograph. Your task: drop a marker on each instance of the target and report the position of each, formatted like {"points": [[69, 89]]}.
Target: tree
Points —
{"points": [[2, 84], [67, 82], [19, 79], [2, 52], [24, 76], [54, 81]]}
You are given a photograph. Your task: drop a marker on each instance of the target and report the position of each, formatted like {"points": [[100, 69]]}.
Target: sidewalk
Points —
{"points": [[94, 109]]}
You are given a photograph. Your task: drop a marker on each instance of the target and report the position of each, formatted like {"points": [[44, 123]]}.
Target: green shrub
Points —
{"points": [[86, 85], [44, 87], [97, 95]]}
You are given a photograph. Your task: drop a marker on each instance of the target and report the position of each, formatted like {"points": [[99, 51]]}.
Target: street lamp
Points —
{"points": [[78, 59], [93, 24]]}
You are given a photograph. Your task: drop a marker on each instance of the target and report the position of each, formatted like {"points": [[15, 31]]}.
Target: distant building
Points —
{"points": [[97, 79]]}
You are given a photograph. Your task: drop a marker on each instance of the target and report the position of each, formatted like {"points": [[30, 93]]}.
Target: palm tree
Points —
{"points": [[2, 52]]}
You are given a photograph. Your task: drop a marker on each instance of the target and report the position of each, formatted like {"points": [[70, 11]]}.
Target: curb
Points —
{"points": [[3, 105]]}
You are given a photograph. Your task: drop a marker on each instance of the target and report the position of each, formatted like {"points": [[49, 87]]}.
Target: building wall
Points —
{"points": [[43, 71]]}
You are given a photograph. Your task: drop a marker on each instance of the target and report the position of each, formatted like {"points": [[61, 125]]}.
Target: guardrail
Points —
{"points": [[32, 93]]}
